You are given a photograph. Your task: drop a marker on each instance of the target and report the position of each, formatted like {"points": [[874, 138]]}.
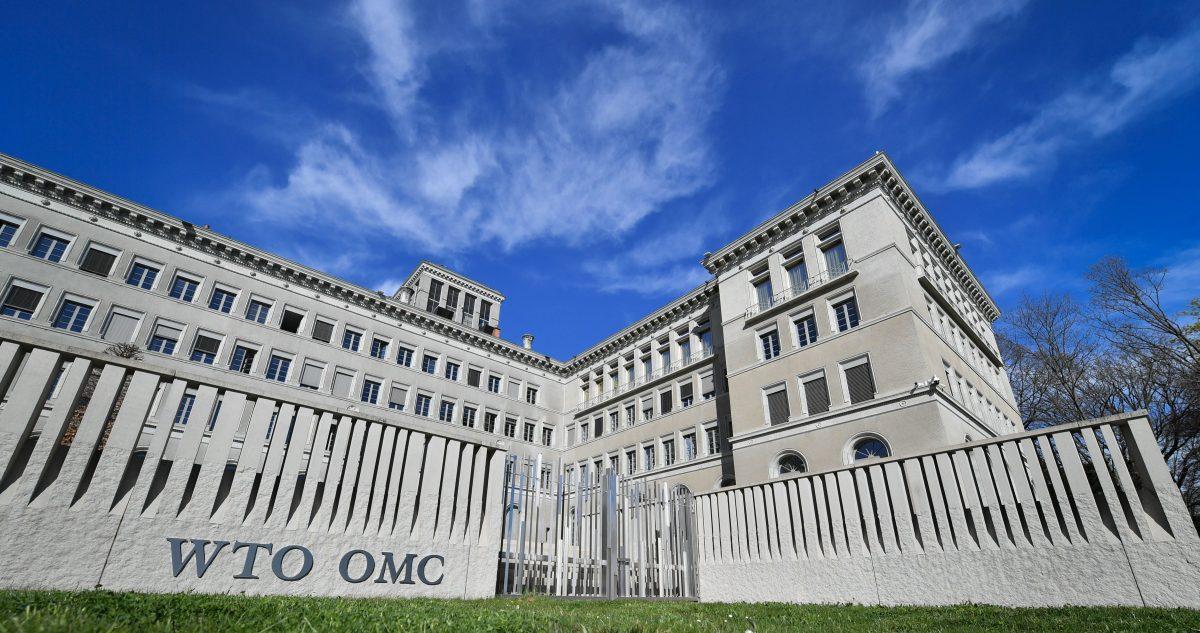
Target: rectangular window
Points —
{"points": [[547, 436], [685, 394], [404, 357], [614, 422], [72, 316], [468, 417], [777, 407], [311, 376], [452, 298], [323, 331], [49, 247], [258, 311], [204, 349], [531, 394], [769, 341], [710, 441], [584, 434], [451, 371], [648, 456], [514, 389], [429, 364], [845, 313], [664, 403], [222, 300], [446, 411], [763, 292], [629, 375], [342, 381], [242, 359], [351, 339], [860, 384], [142, 275], [510, 427], [398, 397], [806, 330], [97, 261], [422, 406], [630, 415], [630, 462], [435, 295], [121, 326], [468, 307], [485, 315], [291, 321], [277, 368], [527, 433], [647, 409], [184, 288], [816, 393], [21, 302], [164, 339], [647, 367], [668, 452], [494, 384], [689, 446], [598, 424], [8, 230], [797, 274], [184, 412], [685, 351], [834, 252], [489, 422], [473, 376], [706, 343], [379, 348]]}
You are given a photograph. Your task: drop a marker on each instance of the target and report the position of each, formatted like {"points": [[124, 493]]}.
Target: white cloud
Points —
{"points": [[930, 32], [1147, 76], [1020, 279]]}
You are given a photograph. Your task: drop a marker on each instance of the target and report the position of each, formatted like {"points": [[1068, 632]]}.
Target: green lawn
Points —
{"points": [[96, 611]]}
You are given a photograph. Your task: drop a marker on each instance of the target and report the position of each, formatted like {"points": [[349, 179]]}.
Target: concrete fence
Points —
{"points": [[1080, 514], [119, 475]]}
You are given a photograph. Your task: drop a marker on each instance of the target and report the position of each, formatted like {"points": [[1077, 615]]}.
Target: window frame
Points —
{"points": [[760, 334], [19, 222], [218, 337], [287, 356], [771, 390], [113, 310], [259, 299], [92, 305], [283, 312], [314, 363], [57, 234], [44, 291], [220, 287], [167, 323], [148, 264], [198, 279], [103, 248], [851, 363]]}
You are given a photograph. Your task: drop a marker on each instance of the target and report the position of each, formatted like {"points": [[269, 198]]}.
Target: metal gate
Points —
{"points": [[597, 536]]}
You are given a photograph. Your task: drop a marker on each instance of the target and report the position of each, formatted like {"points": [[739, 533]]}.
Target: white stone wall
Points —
{"points": [[1085, 514], [98, 478]]}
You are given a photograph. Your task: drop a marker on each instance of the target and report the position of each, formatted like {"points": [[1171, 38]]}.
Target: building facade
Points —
{"points": [[845, 328]]}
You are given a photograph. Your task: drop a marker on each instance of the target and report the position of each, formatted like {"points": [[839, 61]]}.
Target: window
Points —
{"points": [[788, 463], [310, 377], [630, 415], [845, 314], [204, 349], [685, 351], [98, 261], [184, 288], [258, 311], [452, 298], [547, 436], [184, 412], [485, 314], [21, 302], [629, 376], [451, 372], [647, 409], [614, 422], [8, 230], [583, 432], [468, 307], [398, 397], [468, 417], [72, 316], [514, 388], [222, 300], [869, 447], [429, 364], [379, 348], [323, 331], [685, 394], [351, 339], [405, 356], [291, 320], [706, 387], [668, 452], [446, 411], [422, 406], [489, 422], [630, 462], [763, 292], [816, 393], [277, 368], [435, 295], [142, 275], [242, 359], [121, 325], [706, 343], [806, 330], [510, 427], [689, 446], [664, 358], [860, 385], [710, 440], [648, 456], [777, 407], [531, 394], [342, 382], [493, 384], [473, 376], [49, 247], [797, 274], [598, 425], [528, 431], [165, 338], [664, 403], [834, 251], [647, 367], [769, 341]]}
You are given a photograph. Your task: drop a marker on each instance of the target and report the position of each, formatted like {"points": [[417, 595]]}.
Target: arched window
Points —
{"points": [[788, 463], [869, 447]]}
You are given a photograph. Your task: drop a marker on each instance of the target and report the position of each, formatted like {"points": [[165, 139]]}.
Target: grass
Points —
{"points": [[106, 611]]}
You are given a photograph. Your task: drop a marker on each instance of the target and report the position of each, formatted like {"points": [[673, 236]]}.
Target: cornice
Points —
{"points": [[437, 270]]}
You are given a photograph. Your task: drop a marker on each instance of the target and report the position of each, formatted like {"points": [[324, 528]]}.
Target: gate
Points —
{"points": [[597, 536]]}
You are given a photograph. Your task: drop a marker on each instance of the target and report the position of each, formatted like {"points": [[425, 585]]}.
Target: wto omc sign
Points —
{"points": [[291, 563]]}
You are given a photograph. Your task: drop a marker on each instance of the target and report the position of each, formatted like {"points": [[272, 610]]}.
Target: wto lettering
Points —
{"points": [[293, 562]]}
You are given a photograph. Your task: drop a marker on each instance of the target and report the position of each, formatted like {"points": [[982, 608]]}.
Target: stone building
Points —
{"points": [[846, 327]]}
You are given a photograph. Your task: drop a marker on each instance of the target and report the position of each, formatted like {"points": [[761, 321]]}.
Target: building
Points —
{"points": [[846, 327]]}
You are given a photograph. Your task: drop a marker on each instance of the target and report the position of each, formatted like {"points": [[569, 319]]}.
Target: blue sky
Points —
{"points": [[582, 156]]}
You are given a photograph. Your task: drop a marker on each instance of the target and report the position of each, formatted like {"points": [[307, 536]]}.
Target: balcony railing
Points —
{"points": [[691, 359], [812, 283]]}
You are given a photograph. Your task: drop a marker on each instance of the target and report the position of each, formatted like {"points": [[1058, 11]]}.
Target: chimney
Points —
{"points": [[406, 294], [527, 341]]}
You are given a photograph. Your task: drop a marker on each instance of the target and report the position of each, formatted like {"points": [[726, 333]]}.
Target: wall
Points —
{"points": [[1079, 514], [99, 476]]}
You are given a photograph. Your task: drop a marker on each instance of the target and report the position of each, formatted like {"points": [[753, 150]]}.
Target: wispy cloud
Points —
{"points": [[1147, 76], [929, 33], [1182, 283], [1023, 278]]}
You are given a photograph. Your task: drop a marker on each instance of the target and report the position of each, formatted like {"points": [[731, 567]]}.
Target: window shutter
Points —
{"points": [[860, 383], [98, 262], [399, 394], [207, 344], [23, 298], [323, 331], [685, 391], [816, 393], [777, 407], [120, 328], [311, 377], [167, 331], [473, 377], [514, 389], [341, 384], [706, 384]]}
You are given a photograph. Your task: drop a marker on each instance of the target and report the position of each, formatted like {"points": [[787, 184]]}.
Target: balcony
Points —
{"points": [[812, 286], [693, 359]]}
